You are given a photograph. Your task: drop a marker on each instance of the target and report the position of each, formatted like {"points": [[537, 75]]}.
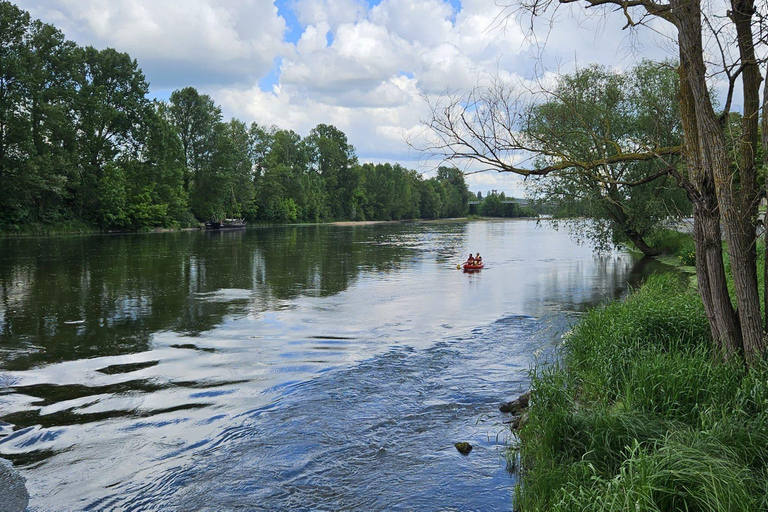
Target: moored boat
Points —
{"points": [[225, 224]]}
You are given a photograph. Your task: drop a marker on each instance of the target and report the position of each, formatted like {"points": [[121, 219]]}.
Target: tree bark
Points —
{"points": [[710, 267], [747, 195], [733, 201], [640, 243], [616, 212], [765, 218]]}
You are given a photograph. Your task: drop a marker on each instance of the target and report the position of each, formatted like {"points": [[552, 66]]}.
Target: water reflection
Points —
{"points": [[152, 350], [77, 297]]}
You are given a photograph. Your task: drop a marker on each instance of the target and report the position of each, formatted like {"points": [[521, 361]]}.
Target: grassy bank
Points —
{"points": [[638, 415], [75, 227], [70, 227]]}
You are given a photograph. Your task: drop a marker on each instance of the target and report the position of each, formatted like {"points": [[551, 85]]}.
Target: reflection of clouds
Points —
{"points": [[225, 295]]}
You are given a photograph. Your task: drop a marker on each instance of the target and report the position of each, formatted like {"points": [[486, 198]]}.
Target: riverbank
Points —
{"points": [[637, 414], [77, 228], [402, 221]]}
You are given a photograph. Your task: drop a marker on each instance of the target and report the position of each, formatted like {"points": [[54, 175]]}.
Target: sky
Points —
{"points": [[363, 66]]}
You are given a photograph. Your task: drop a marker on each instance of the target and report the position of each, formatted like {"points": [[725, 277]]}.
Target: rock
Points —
{"points": [[518, 405], [13, 490], [464, 448], [519, 421]]}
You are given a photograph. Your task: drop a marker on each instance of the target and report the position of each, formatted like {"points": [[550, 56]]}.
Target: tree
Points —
{"points": [[52, 159], [431, 202], [195, 116], [15, 141], [484, 127], [109, 107], [156, 176], [455, 192], [581, 118], [332, 156]]}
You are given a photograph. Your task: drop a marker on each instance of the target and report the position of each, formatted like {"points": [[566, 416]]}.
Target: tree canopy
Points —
{"points": [[586, 114], [81, 142]]}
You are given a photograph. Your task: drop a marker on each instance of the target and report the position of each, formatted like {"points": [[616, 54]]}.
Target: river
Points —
{"points": [[286, 368]]}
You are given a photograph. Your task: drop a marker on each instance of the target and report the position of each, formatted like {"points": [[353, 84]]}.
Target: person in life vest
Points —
{"points": [[471, 259], [478, 259]]}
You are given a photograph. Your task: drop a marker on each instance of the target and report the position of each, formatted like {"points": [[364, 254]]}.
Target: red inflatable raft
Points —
{"points": [[470, 268]]}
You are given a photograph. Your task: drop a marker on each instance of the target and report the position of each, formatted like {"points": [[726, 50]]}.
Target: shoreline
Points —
{"points": [[53, 231], [402, 221]]}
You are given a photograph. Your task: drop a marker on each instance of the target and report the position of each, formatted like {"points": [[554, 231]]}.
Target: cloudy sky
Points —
{"points": [[363, 66]]}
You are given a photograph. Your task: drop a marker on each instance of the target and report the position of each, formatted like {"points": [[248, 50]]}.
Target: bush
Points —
{"points": [[687, 254], [670, 242]]}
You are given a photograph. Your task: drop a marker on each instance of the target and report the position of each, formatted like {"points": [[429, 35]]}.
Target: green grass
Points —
{"points": [[638, 414], [674, 243]]}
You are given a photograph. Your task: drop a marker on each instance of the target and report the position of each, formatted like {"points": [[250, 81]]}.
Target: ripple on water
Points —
{"points": [[377, 436]]}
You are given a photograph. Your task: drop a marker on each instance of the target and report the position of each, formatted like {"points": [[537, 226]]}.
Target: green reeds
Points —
{"points": [[641, 414]]}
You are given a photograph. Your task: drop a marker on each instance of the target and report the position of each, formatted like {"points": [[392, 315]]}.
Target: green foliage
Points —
{"points": [[498, 205], [596, 113], [669, 241], [81, 141], [641, 414]]}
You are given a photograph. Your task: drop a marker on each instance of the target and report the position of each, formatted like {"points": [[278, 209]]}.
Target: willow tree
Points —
{"points": [[582, 117], [487, 127]]}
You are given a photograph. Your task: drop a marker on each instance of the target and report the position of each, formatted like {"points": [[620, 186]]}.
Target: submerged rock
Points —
{"points": [[516, 406], [13, 491], [464, 448]]}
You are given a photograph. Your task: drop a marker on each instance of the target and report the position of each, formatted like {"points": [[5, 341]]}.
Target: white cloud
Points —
{"points": [[202, 41], [331, 12], [446, 67], [426, 22], [363, 69], [360, 67]]}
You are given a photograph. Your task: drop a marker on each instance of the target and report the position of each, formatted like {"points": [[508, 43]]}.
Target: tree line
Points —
{"points": [[81, 142], [497, 204]]}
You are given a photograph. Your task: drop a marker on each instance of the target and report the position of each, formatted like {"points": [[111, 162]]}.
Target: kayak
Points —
{"points": [[468, 267]]}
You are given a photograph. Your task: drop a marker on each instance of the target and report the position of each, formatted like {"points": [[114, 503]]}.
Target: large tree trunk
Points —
{"points": [[747, 194], [616, 212], [710, 268], [733, 200], [765, 218], [713, 286]]}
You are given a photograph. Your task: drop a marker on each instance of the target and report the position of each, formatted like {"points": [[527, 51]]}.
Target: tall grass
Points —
{"points": [[640, 414]]}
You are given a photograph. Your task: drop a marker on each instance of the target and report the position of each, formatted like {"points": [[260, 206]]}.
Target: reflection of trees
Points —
{"points": [[320, 260], [122, 289]]}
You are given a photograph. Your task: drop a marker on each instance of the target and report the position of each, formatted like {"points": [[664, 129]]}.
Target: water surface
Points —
{"points": [[289, 368]]}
